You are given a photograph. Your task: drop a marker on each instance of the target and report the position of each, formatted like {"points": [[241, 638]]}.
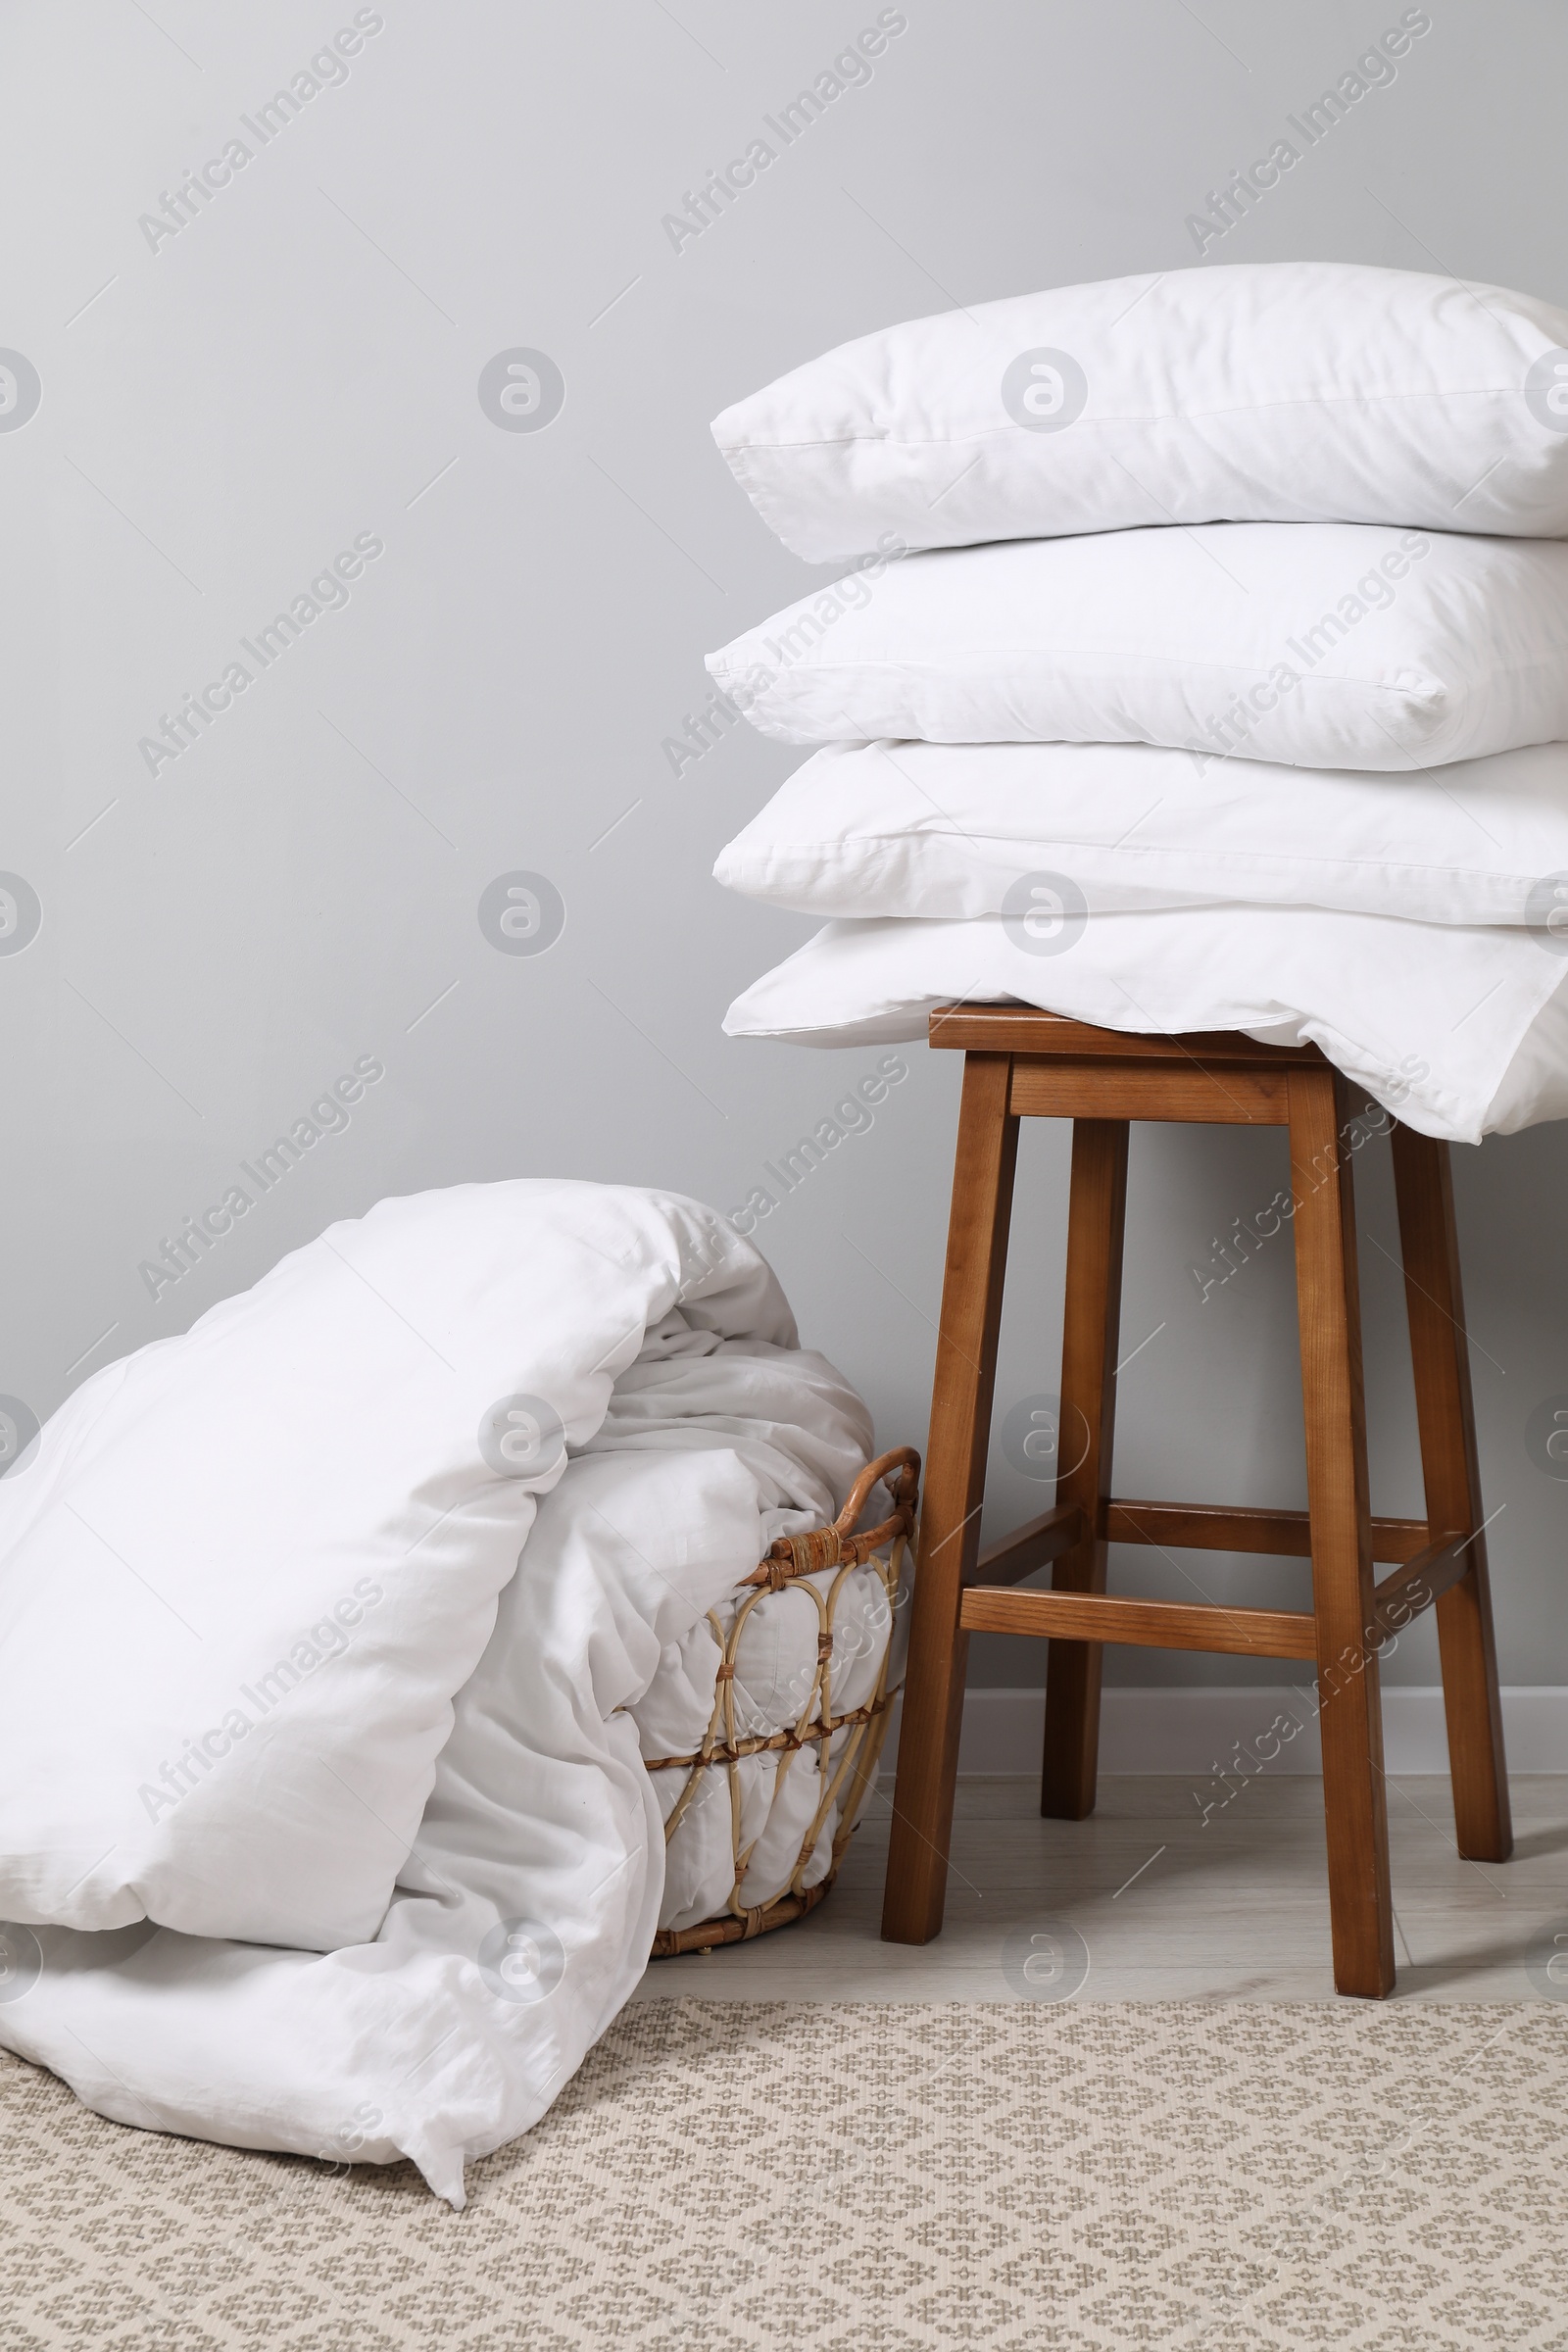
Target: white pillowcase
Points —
{"points": [[1284, 391], [1320, 644], [953, 828], [1436, 1023]]}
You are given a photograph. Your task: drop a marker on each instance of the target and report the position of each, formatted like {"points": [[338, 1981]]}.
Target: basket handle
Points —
{"points": [[902, 1488], [832, 1547]]}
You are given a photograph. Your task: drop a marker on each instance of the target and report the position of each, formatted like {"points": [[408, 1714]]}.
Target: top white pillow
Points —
{"points": [[1283, 391]]}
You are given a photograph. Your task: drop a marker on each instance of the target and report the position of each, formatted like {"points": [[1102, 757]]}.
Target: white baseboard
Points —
{"points": [[1198, 1731]]}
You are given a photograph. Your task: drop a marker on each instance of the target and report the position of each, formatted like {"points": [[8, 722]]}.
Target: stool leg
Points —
{"points": [[1096, 1216], [950, 1514], [1350, 1718], [1428, 1238]]}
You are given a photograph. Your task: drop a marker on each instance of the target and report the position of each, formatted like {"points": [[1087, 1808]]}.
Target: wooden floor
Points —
{"points": [[1169, 1906]]}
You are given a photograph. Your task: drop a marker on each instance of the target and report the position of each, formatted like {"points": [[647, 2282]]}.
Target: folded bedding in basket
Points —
{"points": [[1460, 1030], [762, 1801], [382, 1904], [961, 829]]}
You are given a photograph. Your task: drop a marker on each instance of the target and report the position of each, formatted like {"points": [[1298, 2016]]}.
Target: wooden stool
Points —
{"points": [[1020, 1064]]}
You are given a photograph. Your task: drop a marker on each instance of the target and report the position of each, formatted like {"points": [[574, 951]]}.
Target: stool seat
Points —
{"points": [[1024, 1063]]}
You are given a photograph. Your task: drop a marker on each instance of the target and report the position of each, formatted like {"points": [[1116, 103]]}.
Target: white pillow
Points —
{"points": [[1321, 644], [963, 828], [1442, 1025], [1275, 391]]}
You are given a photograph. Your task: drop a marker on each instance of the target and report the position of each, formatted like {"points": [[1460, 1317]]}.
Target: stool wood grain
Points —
{"points": [[1019, 1063]]}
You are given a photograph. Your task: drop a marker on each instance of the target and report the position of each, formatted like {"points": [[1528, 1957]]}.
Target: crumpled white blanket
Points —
{"points": [[519, 1911]]}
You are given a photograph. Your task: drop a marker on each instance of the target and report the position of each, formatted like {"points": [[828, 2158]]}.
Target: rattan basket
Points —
{"points": [[837, 1546]]}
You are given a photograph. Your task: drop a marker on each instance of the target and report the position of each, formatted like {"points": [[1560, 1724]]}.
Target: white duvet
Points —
{"points": [[323, 1819]]}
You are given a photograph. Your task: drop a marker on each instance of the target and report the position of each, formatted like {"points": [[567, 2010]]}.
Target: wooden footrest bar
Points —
{"points": [[1031, 1547], [1420, 1581], [1185, 1526], [993, 1608], [1224, 1527], [1147, 1624]]}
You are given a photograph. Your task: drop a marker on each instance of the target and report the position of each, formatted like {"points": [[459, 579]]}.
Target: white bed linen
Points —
{"points": [[950, 829], [1288, 391], [1317, 644], [310, 1469], [1434, 1021], [431, 2035]]}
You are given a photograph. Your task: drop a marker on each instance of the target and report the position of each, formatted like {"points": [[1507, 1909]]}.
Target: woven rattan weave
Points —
{"points": [[847, 1776]]}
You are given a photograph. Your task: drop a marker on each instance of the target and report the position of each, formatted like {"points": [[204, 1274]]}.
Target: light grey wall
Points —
{"points": [[225, 414]]}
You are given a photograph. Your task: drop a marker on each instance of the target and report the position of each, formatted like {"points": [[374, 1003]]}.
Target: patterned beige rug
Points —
{"points": [[865, 2178]]}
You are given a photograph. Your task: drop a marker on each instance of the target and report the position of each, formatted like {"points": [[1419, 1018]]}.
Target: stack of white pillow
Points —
{"points": [[1202, 663]]}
